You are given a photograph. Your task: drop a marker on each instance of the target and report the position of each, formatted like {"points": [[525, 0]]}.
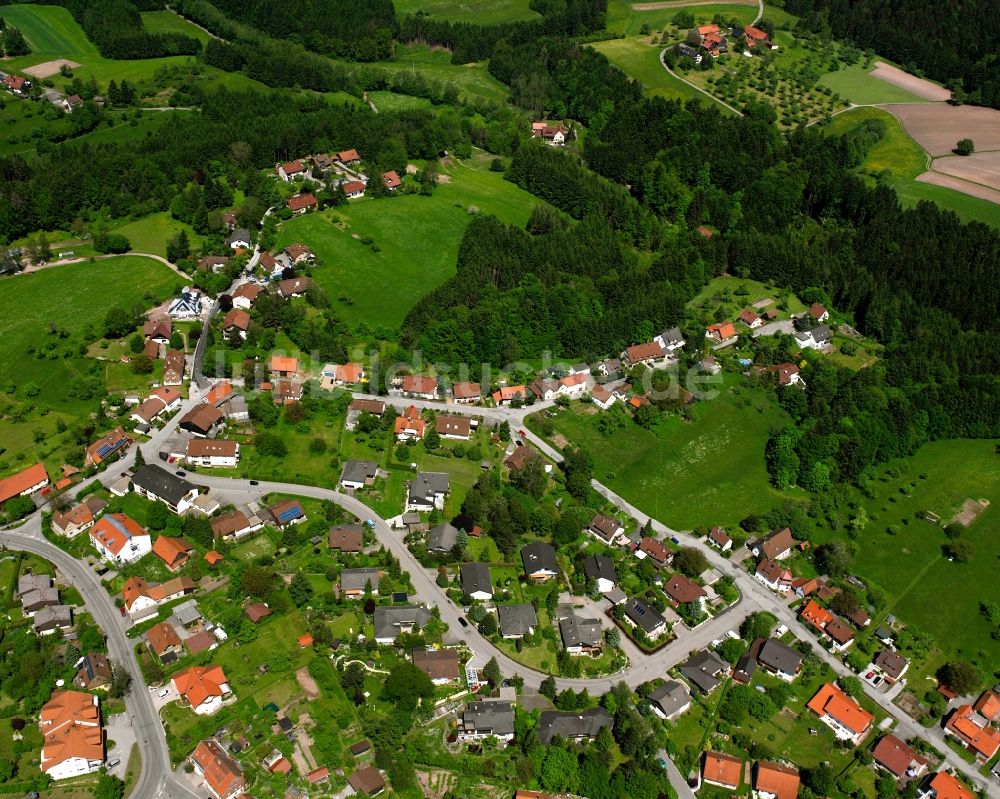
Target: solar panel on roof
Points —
{"points": [[104, 449], [289, 514]]}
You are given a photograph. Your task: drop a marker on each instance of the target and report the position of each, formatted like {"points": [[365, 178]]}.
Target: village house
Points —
{"points": [[723, 770], [348, 374], [235, 324], [409, 425], [988, 705], [294, 287], [516, 621], [346, 157], [721, 331], [35, 591], [73, 745], [390, 622], [164, 642], [52, 619], [705, 671], [213, 453], [777, 545], [202, 420], [720, 539], [892, 665], [602, 398], [750, 319], [441, 665], [974, 731], [94, 672], [221, 772], [298, 253], [161, 401], [442, 538], [539, 561], [655, 550], [353, 189], [420, 387], [346, 537], [239, 239], [648, 354], [606, 528], [159, 485], [645, 617], [290, 170], [775, 781], [574, 725], [286, 512], [257, 612], [283, 366], [187, 306], [544, 390], [354, 583], [79, 518], [683, 591], [466, 393], [848, 720], [787, 373], [427, 491], [600, 570], [507, 395], [487, 719], [204, 689], [120, 539], [24, 483], [553, 135], [358, 474], [944, 786], [457, 428], [286, 392], [174, 367], [391, 180], [773, 575], [18, 85], [709, 37], [213, 263], [519, 458], [367, 781], [244, 295], [159, 329], [670, 700], [581, 636], [174, 552], [815, 339], [235, 526], [476, 581], [779, 659], [898, 758], [818, 313], [670, 340]]}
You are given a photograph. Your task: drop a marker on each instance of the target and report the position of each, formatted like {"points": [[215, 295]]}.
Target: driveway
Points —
{"points": [[160, 701], [774, 328], [119, 729]]}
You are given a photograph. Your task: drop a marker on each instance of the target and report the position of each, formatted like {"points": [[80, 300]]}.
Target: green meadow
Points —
{"points": [[856, 83], [480, 12], [378, 283], [168, 22]]}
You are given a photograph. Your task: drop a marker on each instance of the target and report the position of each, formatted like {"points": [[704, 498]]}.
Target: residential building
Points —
{"points": [[287, 512], [720, 539], [751, 319], [290, 170], [106, 447], [391, 180], [367, 780], [346, 157], [818, 313], [487, 719], [301, 203], [221, 772], [94, 672], [120, 539], [283, 366], [779, 659], [607, 528], [848, 720], [420, 387], [974, 731], [239, 239], [581, 636], [51, 619], [346, 537], [161, 401], [898, 758], [79, 518], [516, 621], [294, 287], [174, 552], [656, 550], [159, 485], [944, 786], [187, 306], [235, 525], [670, 340], [358, 474], [539, 561], [602, 398], [213, 453], [458, 428], [244, 295], [24, 483], [553, 135], [203, 688], [164, 641], [773, 575], [721, 769], [507, 395], [202, 420], [427, 491], [775, 781], [466, 393], [648, 353], [704, 671], [299, 253], [600, 569], [354, 583], [442, 538], [892, 665], [137, 599], [683, 590], [476, 581], [788, 374], [519, 458], [776, 546], [257, 612], [988, 705], [841, 634], [174, 367], [645, 617], [441, 665], [572, 726], [36, 591], [390, 622], [70, 723], [236, 323], [721, 331], [670, 700], [410, 425]]}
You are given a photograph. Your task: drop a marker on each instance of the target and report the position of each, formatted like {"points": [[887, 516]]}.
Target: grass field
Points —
{"points": [[856, 84], [901, 160], [908, 563], [169, 22], [418, 238], [731, 295], [642, 62], [150, 233], [706, 472], [480, 12]]}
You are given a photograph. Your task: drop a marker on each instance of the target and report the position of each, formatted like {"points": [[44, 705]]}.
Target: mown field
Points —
{"points": [[857, 84], [379, 287], [900, 160], [902, 554], [480, 12], [151, 233], [688, 474], [168, 22]]}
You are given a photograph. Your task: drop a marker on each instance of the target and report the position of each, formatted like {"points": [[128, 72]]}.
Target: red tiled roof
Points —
{"points": [[945, 786], [655, 549], [300, 201], [895, 755], [162, 637], [816, 615], [391, 179], [722, 330], [642, 352], [22, 481], [200, 683], [722, 769], [466, 390], [773, 778], [237, 318], [984, 740], [831, 701], [353, 187], [419, 384], [346, 156], [988, 705], [683, 590], [114, 531], [171, 551], [213, 557], [293, 167], [222, 773]]}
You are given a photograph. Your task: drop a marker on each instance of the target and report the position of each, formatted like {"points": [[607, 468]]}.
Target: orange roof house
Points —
{"points": [[410, 424], [946, 786], [391, 180], [302, 202], [721, 769], [420, 385], [213, 557], [305, 640], [508, 394], [988, 705], [283, 365], [174, 552], [219, 393], [114, 531], [163, 639], [202, 687], [70, 723], [106, 446], [26, 481], [349, 373], [721, 331], [974, 731], [816, 615], [847, 719], [781, 782], [221, 772], [348, 156]]}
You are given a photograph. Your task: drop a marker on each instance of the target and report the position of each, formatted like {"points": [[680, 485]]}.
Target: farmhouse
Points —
{"points": [[420, 387], [70, 723], [572, 726], [441, 665], [723, 770], [24, 483], [159, 485], [539, 561], [120, 539], [670, 700], [554, 135], [476, 581], [848, 720], [358, 474], [453, 427]]}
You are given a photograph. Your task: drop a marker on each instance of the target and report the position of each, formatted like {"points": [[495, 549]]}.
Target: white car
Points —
{"points": [[163, 693]]}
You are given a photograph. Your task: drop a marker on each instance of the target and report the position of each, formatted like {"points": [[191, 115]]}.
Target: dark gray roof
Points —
{"points": [[584, 724], [672, 336], [539, 556], [489, 717], [600, 567], [777, 656], [358, 471], [357, 579], [580, 632], [516, 619], [31, 582], [240, 234], [476, 577], [427, 485], [390, 622], [161, 483], [53, 616], [645, 616], [821, 333], [442, 538], [671, 696], [701, 670]]}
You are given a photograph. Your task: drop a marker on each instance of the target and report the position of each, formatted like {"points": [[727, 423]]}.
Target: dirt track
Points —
{"points": [[911, 83]]}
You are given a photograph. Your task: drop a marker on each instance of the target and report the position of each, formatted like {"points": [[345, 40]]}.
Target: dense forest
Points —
{"points": [[957, 44]]}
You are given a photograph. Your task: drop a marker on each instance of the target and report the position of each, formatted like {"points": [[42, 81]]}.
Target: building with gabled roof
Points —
{"points": [[539, 561], [420, 386], [94, 672], [70, 723], [721, 769], [945, 786], [203, 688], [848, 720], [174, 552], [601, 569], [441, 665], [516, 621], [988, 705], [221, 772], [683, 590], [573, 725], [775, 781], [777, 545], [898, 758], [476, 581], [106, 447], [487, 719], [120, 539], [164, 641], [23, 483], [974, 731], [78, 518]]}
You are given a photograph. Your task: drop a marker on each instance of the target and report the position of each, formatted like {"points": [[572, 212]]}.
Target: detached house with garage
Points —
{"points": [[120, 539], [539, 561], [420, 387], [606, 528], [358, 474], [776, 546], [476, 581], [203, 688], [487, 719]]}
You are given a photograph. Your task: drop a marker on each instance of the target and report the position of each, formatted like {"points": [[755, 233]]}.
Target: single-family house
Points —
{"points": [[409, 425], [815, 339], [239, 239], [683, 590], [290, 170], [602, 398], [476, 581], [519, 458], [892, 665], [945, 786], [120, 539], [235, 324], [516, 621], [775, 781], [670, 340], [647, 353], [773, 575], [487, 719], [442, 538], [78, 518], [36, 591], [539, 561], [94, 672], [553, 135], [818, 313], [573, 725], [299, 253], [221, 772], [779, 659], [174, 552], [158, 329], [163, 400], [346, 157], [356, 583], [988, 705], [466, 393], [721, 331], [353, 189], [441, 665], [670, 700], [390, 622], [203, 688], [174, 367], [777, 545], [346, 537], [545, 390], [645, 617], [842, 714], [709, 365], [749, 318], [213, 263], [24, 483], [420, 386], [244, 295], [427, 491], [600, 569], [606, 528], [720, 539], [841, 634], [52, 618], [458, 428], [391, 180], [974, 731], [721, 769], [202, 420], [581, 636], [286, 512], [655, 550], [283, 366], [507, 395], [159, 485], [164, 641], [704, 671], [788, 374], [898, 758], [213, 453], [358, 474], [235, 526], [73, 742], [367, 780]]}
